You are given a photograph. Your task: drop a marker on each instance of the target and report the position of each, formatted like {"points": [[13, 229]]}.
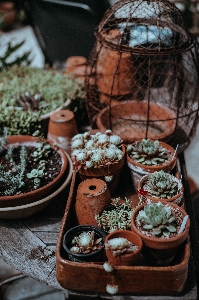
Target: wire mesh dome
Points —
{"points": [[142, 76]]}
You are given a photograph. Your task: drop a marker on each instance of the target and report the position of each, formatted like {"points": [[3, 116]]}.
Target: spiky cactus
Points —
{"points": [[147, 152], [158, 219], [162, 185]]}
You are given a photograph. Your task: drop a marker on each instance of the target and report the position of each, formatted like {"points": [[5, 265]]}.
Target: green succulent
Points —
{"points": [[148, 152], [158, 219], [161, 185], [27, 93]]}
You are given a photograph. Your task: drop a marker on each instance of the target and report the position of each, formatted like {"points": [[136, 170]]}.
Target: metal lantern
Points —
{"points": [[142, 79]]}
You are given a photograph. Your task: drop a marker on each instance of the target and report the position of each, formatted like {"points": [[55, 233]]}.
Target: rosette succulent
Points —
{"points": [[148, 152], [157, 219], [85, 243], [120, 245], [94, 150], [162, 185]]}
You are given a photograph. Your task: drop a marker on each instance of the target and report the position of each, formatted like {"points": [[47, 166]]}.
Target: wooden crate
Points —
{"points": [[142, 279]]}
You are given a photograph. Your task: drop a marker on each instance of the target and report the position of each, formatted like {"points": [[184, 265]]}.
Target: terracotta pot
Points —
{"points": [[101, 172], [37, 194], [9, 13], [92, 196], [175, 199], [133, 120], [138, 170], [116, 73], [74, 62], [61, 128], [97, 255], [127, 259], [159, 250]]}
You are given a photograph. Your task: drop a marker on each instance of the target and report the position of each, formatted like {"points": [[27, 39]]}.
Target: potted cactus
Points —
{"points": [[84, 243], [163, 227], [99, 155], [147, 156], [160, 186]]}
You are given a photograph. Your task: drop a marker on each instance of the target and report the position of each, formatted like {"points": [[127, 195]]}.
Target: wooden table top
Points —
{"points": [[29, 245]]}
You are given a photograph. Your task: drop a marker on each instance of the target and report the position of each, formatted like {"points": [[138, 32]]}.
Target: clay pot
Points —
{"points": [[9, 13], [133, 120], [61, 128], [116, 73], [175, 199], [127, 259], [77, 66], [92, 196], [37, 194], [95, 256], [161, 251], [138, 170], [103, 171]]}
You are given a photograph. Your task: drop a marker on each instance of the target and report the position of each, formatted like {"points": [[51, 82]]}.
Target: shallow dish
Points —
{"points": [[27, 210]]}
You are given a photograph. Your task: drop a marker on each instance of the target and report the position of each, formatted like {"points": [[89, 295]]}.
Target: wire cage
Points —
{"points": [[142, 78]]}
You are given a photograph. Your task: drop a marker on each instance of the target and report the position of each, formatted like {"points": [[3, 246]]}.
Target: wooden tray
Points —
{"points": [[142, 279]]}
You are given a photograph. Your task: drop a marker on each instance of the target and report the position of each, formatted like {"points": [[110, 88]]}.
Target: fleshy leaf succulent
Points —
{"points": [[85, 243], [120, 245], [94, 150], [162, 185], [158, 219], [148, 152], [118, 217]]}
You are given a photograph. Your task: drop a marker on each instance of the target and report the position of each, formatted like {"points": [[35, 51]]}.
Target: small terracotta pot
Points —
{"points": [[133, 120], [103, 171], [138, 170], [37, 194], [61, 128], [92, 196], [175, 199], [127, 259], [161, 251], [95, 256], [74, 62]]}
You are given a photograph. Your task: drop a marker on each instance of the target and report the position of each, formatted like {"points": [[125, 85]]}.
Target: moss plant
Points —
{"points": [[27, 93]]}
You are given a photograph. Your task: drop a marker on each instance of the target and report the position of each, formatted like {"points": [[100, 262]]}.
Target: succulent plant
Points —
{"points": [[147, 152], [157, 219], [120, 245], [94, 150], [117, 217], [27, 93], [85, 243], [162, 185]]}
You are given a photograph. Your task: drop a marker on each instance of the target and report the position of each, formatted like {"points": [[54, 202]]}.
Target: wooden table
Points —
{"points": [[29, 245]]}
